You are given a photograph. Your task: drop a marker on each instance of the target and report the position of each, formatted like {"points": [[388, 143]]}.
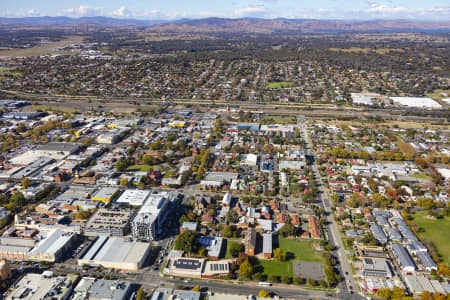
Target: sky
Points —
{"points": [[435, 10]]}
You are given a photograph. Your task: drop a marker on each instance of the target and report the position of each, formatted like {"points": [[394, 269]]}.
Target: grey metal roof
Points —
{"points": [[379, 234], [267, 242], [426, 260], [382, 221], [403, 257], [394, 234], [109, 289], [407, 233]]}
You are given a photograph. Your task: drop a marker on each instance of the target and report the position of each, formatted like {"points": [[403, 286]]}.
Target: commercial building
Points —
{"points": [[115, 222], [376, 268], [248, 126], [54, 246], [133, 197], [105, 194], [170, 294], [293, 165], [186, 267], [416, 102], [93, 288], [403, 258], [249, 159], [216, 268], [417, 284], [151, 216], [42, 286], [15, 248], [24, 115], [116, 253], [217, 179]]}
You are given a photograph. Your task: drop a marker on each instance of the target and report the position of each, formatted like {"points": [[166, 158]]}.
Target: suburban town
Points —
{"points": [[137, 163]]}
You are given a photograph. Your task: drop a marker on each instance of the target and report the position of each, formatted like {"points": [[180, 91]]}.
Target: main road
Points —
{"points": [[348, 288]]}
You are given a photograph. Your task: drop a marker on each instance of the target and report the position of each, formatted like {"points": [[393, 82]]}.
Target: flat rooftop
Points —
{"points": [[133, 197], [114, 249]]}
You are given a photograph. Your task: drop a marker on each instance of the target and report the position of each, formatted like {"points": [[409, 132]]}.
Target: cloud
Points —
{"points": [[251, 11], [33, 13], [122, 12], [83, 11]]}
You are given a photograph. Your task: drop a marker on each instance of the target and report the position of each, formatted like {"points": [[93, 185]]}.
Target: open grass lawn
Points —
{"points": [[436, 232], [279, 85], [421, 176], [301, 250], [268, 119], [139, 168], [277, 268]]}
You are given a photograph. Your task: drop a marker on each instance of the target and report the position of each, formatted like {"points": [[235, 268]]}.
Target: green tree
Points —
{"points": [[187, 242], [279, 254], [124, 182], [245, 269], [140, 294], [26, 182], [335, 197], [299, 280], [384, 293], [263, 294], [121, 165], [288, 230], [232, 216], [16, 201], [227, 231], [236, 248]]}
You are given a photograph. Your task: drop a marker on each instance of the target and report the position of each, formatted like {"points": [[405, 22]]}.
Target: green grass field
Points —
{"points": [[279, 85], [421, 176], [139, 168], [269, 119], [302, 250], [436, 232]]}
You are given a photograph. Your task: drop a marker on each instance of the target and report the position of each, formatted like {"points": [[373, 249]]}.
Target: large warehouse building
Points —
{"points": [[116, 253], [54, 247]]}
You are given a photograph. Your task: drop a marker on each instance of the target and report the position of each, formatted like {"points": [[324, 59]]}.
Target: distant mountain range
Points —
{"points": [[242, 25]]}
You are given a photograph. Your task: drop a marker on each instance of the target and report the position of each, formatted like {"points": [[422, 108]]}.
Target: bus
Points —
{"points": [[265, 284]]}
